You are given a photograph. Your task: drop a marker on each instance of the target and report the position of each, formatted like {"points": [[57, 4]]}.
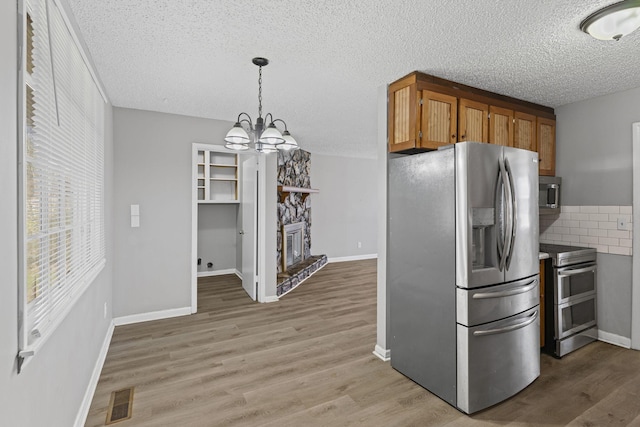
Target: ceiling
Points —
{"points": [[329, 57]]}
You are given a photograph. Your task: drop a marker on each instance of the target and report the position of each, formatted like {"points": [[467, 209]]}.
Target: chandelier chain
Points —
{"points": [[259, 91]]}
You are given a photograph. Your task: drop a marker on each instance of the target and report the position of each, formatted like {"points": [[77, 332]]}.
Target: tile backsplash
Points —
{"points": [[608, 229]]}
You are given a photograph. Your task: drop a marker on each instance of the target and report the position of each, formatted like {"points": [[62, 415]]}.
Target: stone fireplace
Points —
{"points": [[292, 244], [294, 260]]}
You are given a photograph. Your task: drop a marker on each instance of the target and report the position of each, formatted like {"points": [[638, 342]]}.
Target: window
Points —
{"points": [[62, 174]]}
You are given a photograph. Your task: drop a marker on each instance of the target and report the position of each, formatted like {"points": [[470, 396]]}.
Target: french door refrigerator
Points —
{"points": [[462, 270]]}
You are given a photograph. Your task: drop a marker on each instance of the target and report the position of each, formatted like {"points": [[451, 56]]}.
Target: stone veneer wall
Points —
{"points": [[294, 169]]}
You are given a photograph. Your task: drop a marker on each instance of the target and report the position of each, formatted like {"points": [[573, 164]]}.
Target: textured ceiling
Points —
{"points": [[328, 57]]}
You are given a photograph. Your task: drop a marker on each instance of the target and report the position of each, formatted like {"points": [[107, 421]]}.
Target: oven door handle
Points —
{"points": [[500, 294], [569, 273], [510, 328]]}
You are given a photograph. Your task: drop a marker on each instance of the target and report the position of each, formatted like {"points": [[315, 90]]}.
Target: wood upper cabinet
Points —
{"points": [[546, 129], [501, 126], [402, 125], [420, 119], [439, 119], [525, 131], [426, 112], [473, 121]]}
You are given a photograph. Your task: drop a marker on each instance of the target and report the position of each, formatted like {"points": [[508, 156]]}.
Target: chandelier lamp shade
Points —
{"points": [[614, 21], [265, 139]]}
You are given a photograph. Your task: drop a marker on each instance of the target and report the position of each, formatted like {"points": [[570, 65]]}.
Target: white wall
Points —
{"points": [[270, 236], [593, 157], [57, 377], [152, 270], [345, 211], [382, 322], [217, 236]]}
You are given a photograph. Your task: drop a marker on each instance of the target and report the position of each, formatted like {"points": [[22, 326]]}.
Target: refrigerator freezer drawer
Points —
{"points": [[478, 306], [497, 360]]}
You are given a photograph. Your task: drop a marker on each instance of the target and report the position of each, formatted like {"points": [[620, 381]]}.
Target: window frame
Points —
{"points": [[89, 271]]}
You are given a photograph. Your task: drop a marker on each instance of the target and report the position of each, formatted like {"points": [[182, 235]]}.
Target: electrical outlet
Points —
{"points": [[105, 310], [359, 245], [622, 223]]}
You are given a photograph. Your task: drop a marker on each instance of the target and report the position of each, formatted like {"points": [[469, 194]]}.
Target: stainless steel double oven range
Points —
{"points": [[570, 320]]}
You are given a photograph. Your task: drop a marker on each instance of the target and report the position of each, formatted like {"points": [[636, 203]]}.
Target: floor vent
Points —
{"points": [[120, 405]]}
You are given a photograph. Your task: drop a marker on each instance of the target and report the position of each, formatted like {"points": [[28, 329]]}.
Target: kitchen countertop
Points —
{"points": [[543, 255]]}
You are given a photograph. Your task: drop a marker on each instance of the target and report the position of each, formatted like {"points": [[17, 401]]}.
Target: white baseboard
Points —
{"points": [[271, 299], [81, 417], [154, 315], [383, 354], [238, 274], [217, 272], [352, 258], [614, 339]]}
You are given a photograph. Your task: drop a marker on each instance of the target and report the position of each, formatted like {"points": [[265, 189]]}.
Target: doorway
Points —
{"points": [[247, 250]]}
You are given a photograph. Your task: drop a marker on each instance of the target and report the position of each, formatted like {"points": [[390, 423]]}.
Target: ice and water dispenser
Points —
{"points": [[483, 230]]}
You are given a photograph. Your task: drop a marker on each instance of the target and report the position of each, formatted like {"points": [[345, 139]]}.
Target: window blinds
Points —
{"points": [[63, 176]]}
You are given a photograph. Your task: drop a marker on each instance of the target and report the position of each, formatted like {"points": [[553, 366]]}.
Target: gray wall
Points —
{"points": [[57, 377], [217, 236], [345, 211], [593, 150], [152, 270], [593, 157]]}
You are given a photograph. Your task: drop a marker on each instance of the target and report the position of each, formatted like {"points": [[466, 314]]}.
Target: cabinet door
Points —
{"points": [[542, 307], [547, 146], [439, 119], [500, 126], [402, 117], [525, 131], [473, 121]]}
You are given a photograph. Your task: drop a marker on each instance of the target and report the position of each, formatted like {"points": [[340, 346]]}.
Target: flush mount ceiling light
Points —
{"points": [[614, 21], [268, 140]]}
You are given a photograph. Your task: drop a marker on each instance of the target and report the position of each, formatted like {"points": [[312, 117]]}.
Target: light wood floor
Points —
{"points": [[307, 361]]}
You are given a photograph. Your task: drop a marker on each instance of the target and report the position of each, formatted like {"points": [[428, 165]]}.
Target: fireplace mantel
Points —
{"points": [[285, 190]]}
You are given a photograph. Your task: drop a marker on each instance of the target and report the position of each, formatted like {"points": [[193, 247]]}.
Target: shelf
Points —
{"points": [[217, 177], [218, 202], [285, 190]]}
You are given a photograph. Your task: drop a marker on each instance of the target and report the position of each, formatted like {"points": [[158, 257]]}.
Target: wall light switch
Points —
{"points": [[135, 215]]}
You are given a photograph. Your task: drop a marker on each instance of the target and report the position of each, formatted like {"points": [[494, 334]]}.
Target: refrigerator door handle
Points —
{"points": [[509, 328], [506, 220], [513, 212], [500, 294], [499, 218]]}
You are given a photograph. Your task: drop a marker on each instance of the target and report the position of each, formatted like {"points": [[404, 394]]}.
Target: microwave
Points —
{"points": [[549, 194]]}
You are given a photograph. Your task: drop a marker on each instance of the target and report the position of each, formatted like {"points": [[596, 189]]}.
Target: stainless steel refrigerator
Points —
{"points": [[462, 271]]}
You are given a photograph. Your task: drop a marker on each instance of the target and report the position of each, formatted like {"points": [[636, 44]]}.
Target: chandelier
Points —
{"points": [[264, 140]]}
